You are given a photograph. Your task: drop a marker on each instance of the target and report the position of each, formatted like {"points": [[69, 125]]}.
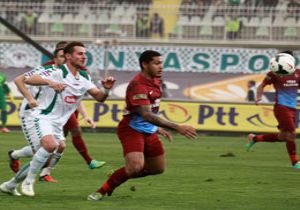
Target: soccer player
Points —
{"points": [[137, 131], [4, 91], [25, 110], [251, 90], [56, 103], [286, 88], [72, 125]]}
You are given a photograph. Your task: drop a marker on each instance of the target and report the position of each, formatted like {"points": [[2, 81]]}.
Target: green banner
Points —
{"points": [[178, 59]]}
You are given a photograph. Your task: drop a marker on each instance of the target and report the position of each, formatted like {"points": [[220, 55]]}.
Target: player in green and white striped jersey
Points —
{"points": [[25, 116]]}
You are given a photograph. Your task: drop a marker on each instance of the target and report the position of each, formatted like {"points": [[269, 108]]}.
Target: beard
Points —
{"points": [[77, 65]]}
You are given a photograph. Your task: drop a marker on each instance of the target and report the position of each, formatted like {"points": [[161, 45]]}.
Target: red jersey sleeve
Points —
{"points": [[268, 78], [137, 94], [49, 63]]}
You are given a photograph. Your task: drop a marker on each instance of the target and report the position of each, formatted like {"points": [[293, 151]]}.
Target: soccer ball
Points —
{"points": [[282, 64]]}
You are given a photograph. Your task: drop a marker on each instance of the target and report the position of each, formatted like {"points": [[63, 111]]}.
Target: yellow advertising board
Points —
{"points": [[235, 117]]}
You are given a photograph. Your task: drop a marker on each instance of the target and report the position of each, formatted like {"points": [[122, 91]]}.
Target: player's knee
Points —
{"points": [[288, 136], [291, 136], [158, 171], [50, 147], [75, 131], [134, 168], [49, 144], [61, 146]]}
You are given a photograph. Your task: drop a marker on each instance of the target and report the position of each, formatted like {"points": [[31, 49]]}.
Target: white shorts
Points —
{"points": [[34, 129]]}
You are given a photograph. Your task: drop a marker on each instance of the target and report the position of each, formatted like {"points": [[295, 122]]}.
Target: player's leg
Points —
{"points": [[10, 186], [3, 108], [27, 125], [286, 120], [29, 129], [73, 127], [15, 155], [253, 139], [282, 118], [290, 138], [55, 157], [133, 151], [48, 146], [45, 132], [154, 157], [133, 167]]}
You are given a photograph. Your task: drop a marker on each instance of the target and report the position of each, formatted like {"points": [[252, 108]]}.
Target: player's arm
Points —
{"points": [[260, 89], [147, 114], [100, 95], [37, 80], [20, 83], [259, 92], [165, 134], [82, 110]]}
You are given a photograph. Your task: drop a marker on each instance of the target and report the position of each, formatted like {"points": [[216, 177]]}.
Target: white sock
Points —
{"points": [[45, 171], [23, 152], [36, 164], [22, 173], [54, 160], [12, 183]]}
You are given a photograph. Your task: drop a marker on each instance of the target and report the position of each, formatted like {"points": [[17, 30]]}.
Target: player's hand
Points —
{"points": [[32, 103], [187, 131], [57, 87], [257, 100], [165, 134], [90, 122], [108, 82]]}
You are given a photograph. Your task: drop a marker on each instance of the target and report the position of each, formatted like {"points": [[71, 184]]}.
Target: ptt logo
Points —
{"points": [[70, 99], [176, 113]]}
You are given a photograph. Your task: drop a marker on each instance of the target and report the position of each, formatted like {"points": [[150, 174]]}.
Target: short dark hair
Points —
{"points": [[56, 51], [147, 56], [61, 44], [288, 52], [252, 82], [69, 48]]}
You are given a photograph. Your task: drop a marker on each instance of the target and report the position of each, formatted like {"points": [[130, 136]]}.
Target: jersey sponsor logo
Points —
{"points": [[139, 96], [70, 99], [290, 83]]}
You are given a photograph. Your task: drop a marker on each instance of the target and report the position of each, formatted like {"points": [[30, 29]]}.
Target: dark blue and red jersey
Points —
{"points": [[286, 88], [142, 91]]}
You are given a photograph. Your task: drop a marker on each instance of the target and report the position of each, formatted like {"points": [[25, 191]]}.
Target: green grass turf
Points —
{"points": [[197, 177]]}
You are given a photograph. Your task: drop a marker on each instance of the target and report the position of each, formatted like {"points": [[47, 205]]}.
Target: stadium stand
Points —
{"points": [[184, 19]]}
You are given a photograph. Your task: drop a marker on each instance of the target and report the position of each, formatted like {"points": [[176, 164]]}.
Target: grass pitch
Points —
{"points": [[208, 173]]}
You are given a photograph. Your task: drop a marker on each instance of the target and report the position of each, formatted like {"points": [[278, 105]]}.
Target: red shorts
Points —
{"points": [[285, 117], [72, 122], [133, 141]]}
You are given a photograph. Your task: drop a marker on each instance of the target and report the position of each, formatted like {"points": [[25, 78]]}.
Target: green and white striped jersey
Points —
{"points": [[35, 91], [58, 107]]}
